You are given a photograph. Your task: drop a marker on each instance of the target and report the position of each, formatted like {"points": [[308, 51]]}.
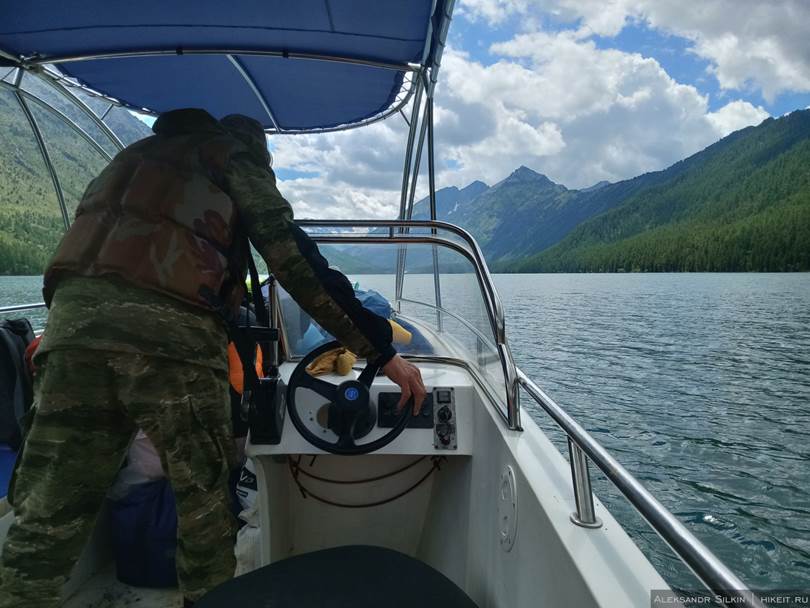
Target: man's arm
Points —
{"points": [[324, 293], [294, 259]]}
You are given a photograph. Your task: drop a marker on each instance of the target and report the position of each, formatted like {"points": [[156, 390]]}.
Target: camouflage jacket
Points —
{"points": [[171, 216]]}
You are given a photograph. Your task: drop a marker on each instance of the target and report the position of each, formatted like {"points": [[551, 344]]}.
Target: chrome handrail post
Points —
{"points": [[512, 386], [399, 279], [437, 288], [585, 515]]}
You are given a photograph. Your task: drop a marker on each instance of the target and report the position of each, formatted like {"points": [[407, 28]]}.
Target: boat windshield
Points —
{"points": [[439, 300]]}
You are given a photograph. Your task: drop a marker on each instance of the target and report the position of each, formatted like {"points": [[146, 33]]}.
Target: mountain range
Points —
{"points": [[741, 204]]}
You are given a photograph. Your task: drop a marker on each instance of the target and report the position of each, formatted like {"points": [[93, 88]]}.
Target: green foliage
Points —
{"points": [[26, 240], [742, 204], [31, 222]]}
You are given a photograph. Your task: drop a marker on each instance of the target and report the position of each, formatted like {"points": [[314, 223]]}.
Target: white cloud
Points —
{"points": [[604, 17], [736, 115], [750, 44], [491, 11], [357, 173], [613, 115], [321, 198], [555, 102]]}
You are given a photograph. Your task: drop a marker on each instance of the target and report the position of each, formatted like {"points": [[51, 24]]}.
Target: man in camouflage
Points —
{"points": [[136, 339]]}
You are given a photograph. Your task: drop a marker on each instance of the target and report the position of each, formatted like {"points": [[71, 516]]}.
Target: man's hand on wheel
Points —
{"points": [[409, 379]]}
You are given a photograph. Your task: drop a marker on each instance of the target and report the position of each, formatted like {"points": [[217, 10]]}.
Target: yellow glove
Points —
{"points": [[401, 335], [339, 360], [345, 362]]}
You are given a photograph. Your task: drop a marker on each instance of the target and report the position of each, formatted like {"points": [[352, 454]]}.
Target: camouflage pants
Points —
{"points": [[89, 403]]}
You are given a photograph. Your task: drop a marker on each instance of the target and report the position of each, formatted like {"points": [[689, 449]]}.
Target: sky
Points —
{"points": [[579, 90]]}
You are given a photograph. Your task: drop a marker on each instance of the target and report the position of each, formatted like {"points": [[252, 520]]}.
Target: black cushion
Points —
{"points": [[355, 576]]}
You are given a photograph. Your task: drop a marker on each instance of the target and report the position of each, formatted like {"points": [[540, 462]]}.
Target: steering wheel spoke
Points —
{"points": [[346, 441], [322, 387], [368, 374]]}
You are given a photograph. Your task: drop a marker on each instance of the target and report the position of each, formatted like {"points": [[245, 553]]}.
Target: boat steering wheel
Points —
{"points": [[350, 413]]}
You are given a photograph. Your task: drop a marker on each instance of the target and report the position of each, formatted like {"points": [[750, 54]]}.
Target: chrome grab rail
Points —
{"points": [[475, 250], [476, 332], [585, 515], [19, 307], [703, 563], [472, 252]]}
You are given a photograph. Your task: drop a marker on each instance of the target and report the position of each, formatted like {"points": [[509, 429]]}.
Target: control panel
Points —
{"points": [[387, 414], [445, 424], [438, 413], [445, 436]]}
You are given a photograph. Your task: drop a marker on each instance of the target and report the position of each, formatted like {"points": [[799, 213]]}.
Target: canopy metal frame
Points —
{"points": [[71, 123], [44, 65], [252, 85], [46, 156], [38, 60], [25, 98], [58, 85], [418, 87], [427, 84]]}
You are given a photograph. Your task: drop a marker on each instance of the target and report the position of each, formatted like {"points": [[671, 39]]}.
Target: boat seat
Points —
{"points": [[354, 576]]}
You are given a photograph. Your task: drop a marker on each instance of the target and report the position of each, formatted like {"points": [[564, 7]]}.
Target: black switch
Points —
{"points": [[443, 396], [388, 415]]}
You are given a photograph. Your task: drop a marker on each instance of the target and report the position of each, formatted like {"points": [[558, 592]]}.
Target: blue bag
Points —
{"points": [[7, 459], [374, 302], [144, 532]]}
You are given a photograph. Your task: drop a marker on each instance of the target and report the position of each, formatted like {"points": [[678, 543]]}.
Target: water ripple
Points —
{"points": [[700, 385]]}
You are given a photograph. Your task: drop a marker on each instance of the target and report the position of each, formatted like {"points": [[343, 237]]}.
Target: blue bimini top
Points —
{"points": [[299, 66]]}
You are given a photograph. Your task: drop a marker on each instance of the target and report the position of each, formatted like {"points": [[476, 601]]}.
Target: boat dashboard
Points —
{"points": [[444, 425]]}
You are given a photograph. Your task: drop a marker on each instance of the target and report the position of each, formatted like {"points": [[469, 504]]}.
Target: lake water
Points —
{"points": [[698, 383]]}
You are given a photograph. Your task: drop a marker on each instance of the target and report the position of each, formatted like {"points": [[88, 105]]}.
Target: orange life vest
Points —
{"points": [[235, 370]]}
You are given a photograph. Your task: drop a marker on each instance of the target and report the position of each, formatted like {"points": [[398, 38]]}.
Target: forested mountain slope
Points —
{"points": [[518, 216], [31, 222], [742, 204]]}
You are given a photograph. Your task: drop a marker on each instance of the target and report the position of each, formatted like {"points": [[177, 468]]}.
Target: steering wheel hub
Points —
{"points": [[352, 394]]}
